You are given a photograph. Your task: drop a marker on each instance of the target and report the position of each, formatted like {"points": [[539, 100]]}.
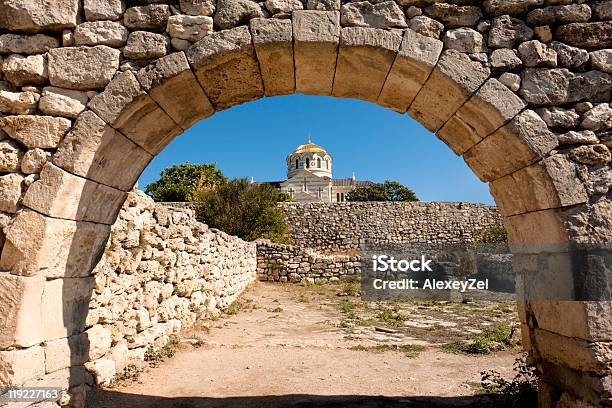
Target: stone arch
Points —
{"points": [[477, 90]]}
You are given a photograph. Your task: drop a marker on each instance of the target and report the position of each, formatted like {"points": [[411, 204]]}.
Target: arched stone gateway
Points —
{"points": [[92, 91]]}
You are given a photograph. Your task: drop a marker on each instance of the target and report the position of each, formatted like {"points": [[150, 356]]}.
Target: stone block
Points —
{"points": [[190, 28], [65, 303], [21, 318], [19, 366], [108, 33], [523, 141], [143, 45], [365, 57], [10, 191], [550, 183], [66, 352], [36, 131], [585, 385], [149, 17], [226, 67], [316, 35], [20, 103], [27, 44], [384, 15], [62, 102], [60, 194], [536, 227], [10, 156], [584, 320], [415, 59], [487, 110], [30, 70], [126, 107], [99, 339], [95, 150], [44, 246], [103, 370], [273, 40], [172, 84], [34, 15], [453, 81], [83, 67], [103, 9], [231, 13]]}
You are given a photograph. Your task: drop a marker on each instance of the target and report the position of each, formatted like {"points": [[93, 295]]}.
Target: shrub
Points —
{"points": [[520, 392], [387, 191], [491, 235], [183, 182]]}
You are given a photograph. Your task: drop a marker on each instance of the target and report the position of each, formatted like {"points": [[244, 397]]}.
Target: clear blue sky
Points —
{"points": [[253, 139]]}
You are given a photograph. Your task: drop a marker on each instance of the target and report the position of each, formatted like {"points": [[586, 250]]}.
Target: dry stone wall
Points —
{"points": [[161, 270], [345, 226]]}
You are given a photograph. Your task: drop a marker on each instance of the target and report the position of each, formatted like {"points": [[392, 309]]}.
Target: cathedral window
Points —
{"points": [[319, 163], [297, 164], [307, 163]]}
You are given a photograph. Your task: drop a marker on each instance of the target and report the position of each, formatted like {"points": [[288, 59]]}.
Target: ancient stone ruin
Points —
{"points": [[91, 90]]}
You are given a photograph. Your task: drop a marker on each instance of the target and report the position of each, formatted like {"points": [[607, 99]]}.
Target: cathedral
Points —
{"points": [[309, 177]]}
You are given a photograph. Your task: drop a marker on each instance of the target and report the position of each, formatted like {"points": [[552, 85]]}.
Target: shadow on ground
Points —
{"points": [[113, 399]]}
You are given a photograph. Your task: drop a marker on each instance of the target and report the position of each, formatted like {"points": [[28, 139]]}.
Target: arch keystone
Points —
{"points": [[415, 59], [453, 81], [37, 245], [171, 83], [365, 57], [226, 67], [126, 107], [94, 150], [316, 37], [273, 39], [491, 107]]}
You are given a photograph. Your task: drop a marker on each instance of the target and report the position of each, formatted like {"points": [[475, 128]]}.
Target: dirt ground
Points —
{"points": [[285, 345]]}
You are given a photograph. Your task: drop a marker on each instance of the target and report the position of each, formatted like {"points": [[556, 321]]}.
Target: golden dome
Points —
{"points": [[309, 148]]}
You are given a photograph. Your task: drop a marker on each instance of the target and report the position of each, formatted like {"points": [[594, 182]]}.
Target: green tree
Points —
{"points": [[246, 210], [387, 191], [183, 182]]}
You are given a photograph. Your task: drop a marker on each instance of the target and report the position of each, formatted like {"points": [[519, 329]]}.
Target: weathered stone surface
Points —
{"points": [[36, 131], [453, 15], [19, 366], [172, 84], [103, 9], [602, 10], [66, 302], [426, 26], [485, 112], [82, 67], [602, 60], [27, 44], [568, 56], [273, 40], [20, 299], [38, 15], [10, 192], [191, 28], [550, 183], [364, 59], [506, 32], [572, 137], [231, 13], [586, 35], [505, 59], [512, 81], [283, 6], [66, 352], [521, 142], [125, 106], [99, 338], [198, 7], [561, 14], [591, 154], [583, 320], [536, 54], [92, 149], [21, 70], [386, 14], [536, 227], [415, 59], [34, 160], [60, 194], [145, 45], [108, 33], [39, 245], [149, 17], [558, 118], [316, 35], [20, 103], [560, 86], [512, 7], [212, 56], [10, 156], [103, 370], [598, 118], [455, 78], [62, 102], [464, 40]]}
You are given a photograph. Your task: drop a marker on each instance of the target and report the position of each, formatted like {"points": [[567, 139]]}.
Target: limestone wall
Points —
{"points": [[160, 271], [289, 263], [344, 226]]}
